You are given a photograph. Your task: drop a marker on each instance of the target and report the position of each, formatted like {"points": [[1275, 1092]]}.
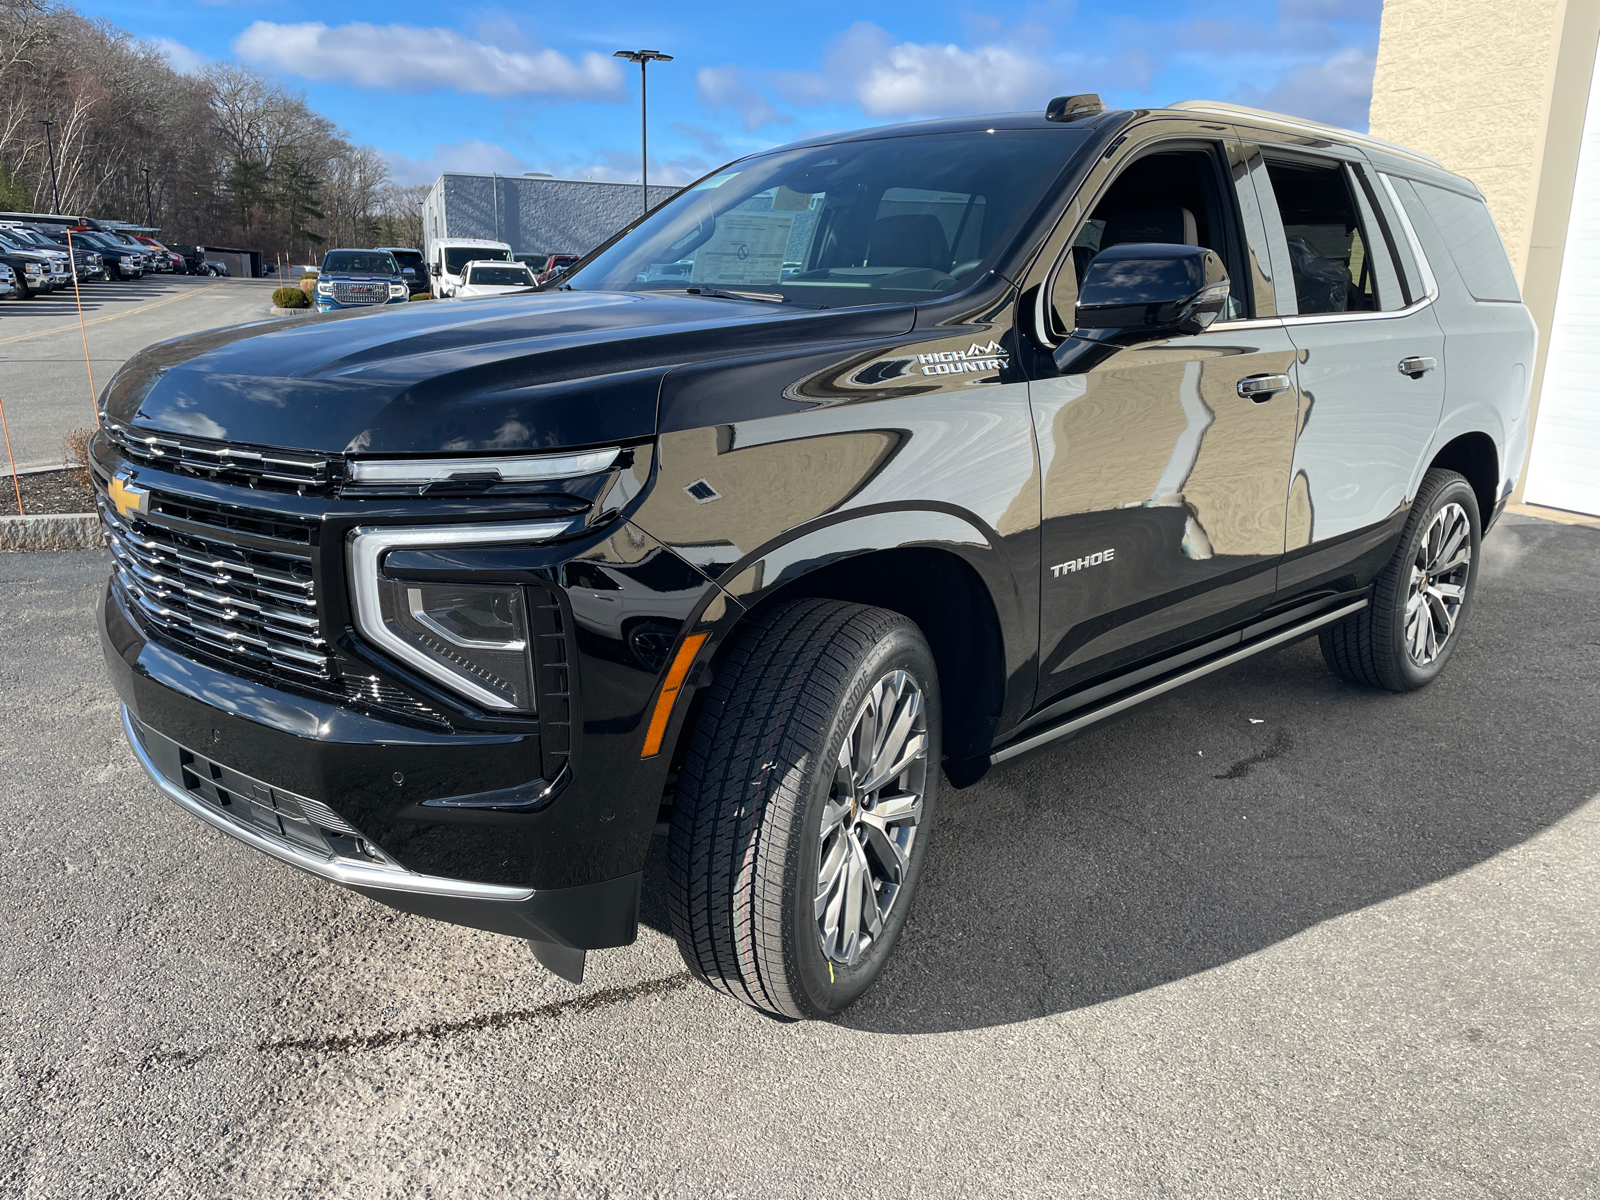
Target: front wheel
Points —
{"points": [[803, 807], [1421, 599]]}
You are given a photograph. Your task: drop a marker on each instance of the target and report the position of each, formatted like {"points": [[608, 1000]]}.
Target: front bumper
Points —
{"points": [[581, 918], [328, 304], [449, 809]]}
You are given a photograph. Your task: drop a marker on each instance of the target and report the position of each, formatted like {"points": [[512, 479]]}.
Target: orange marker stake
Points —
{"points": [[94, 394], [16, 480]]}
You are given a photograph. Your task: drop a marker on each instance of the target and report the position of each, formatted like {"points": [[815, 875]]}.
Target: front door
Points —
{"points": [[1163, 481]]}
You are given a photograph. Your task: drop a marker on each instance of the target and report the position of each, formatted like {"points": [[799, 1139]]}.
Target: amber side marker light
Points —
{"points": [[669, 693]]}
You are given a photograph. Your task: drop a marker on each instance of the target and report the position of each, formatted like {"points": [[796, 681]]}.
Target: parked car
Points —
{"points": [[359, 279], [8, 280], [122, 260], [212, 266], [33, 268], [57, 262], [87, 263], [494, 277], [164, 260], [413, 267], [1057, 413], [537, 262], [557, 265], [447, 257], [131, 245]]}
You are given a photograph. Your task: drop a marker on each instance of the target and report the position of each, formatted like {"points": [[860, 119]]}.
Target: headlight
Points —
{"points": [[471, 637], [127, 260], [324, 289], [397, 289]]}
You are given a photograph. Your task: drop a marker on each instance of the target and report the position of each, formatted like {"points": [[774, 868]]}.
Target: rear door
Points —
{"points": [[1372, 375], [1162, 483]]}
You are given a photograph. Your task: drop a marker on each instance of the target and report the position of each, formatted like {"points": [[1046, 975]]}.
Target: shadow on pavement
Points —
{"points": [[1186, 836]]}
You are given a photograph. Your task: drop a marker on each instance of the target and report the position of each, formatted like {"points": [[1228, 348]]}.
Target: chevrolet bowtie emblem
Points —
{"points": [[127, 497]]}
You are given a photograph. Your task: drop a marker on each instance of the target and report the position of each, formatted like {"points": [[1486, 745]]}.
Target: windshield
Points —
{"points": [[456, 257], [359, 262], [408, 258], [890, 220], [507, 276]]}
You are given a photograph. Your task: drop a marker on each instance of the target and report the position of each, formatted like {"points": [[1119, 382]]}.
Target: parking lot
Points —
{"points": [[1271, 936], [43, 378]]}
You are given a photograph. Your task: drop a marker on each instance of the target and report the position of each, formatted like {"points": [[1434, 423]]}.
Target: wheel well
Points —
{"points": [[1474, 456], [949, 603]]}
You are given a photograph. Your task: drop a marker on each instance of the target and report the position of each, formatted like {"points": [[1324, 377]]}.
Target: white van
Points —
{"points": [[447, 257]]}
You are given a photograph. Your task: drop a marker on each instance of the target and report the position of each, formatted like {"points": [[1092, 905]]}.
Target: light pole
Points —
{"points": [[55, 188], [148, 218], [644, 58]]}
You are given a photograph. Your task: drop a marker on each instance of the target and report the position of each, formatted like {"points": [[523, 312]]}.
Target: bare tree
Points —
{"points": [[224, 156]]}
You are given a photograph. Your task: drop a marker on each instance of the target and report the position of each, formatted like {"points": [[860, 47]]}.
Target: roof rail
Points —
{"points": [[1317, 127]]}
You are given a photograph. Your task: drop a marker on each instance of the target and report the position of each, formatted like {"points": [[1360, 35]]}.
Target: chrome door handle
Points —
{"points": [[1417, 367], [1263, 387]]}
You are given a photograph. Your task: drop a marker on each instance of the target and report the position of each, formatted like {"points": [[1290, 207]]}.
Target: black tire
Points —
{"points": [[746, 839], [1370, 648]]}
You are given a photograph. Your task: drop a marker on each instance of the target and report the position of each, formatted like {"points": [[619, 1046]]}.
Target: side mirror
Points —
{"points": [[1145, 290], [433, 269]]}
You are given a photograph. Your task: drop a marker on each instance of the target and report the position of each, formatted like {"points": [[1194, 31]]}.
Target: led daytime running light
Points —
{"points": [[416, 471]]}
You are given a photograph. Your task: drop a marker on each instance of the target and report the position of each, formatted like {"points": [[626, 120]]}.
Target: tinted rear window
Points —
{"points": [[1468, 230]]}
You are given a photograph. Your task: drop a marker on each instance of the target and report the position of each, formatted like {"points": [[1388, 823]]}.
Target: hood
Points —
{"points": [[360, 276], [514, 373]]}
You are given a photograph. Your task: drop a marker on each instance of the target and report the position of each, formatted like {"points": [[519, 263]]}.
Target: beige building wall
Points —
{"points": [[1496, 90], [1468, 81]]}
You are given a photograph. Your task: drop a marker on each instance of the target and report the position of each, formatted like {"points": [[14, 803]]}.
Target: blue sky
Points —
{"points": [[535, 88]]}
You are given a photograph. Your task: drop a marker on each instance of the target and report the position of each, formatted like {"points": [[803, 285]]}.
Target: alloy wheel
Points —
{"points": [[871, 816], [1438, 587]]}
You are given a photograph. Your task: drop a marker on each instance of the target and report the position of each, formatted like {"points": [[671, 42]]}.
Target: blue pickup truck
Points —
{"points": [[359, 279]]}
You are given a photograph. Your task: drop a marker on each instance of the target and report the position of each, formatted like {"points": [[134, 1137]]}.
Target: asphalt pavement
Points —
{"points": [[1274, 935], [44, 378]]}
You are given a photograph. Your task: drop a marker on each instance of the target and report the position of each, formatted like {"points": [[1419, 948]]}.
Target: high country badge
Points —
{"points": [[959, 362]]}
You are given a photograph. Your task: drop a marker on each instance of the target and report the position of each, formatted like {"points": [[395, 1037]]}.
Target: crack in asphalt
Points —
{"points": [[1240, 769], [604, 998]]}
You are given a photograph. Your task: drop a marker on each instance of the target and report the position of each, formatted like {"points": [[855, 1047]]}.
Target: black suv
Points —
{"points": [[860, 467]]}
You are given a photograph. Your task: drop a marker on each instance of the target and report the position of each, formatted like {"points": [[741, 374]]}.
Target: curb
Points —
{"points": [[291, 312], [60, 531]]}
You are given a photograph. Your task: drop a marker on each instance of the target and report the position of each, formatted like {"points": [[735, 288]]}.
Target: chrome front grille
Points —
{"points": [[243, 596], [216, 460], [360, 293], [273, 469]]}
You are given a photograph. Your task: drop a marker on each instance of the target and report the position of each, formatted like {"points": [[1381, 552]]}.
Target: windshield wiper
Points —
{"points": [[727, 294]]}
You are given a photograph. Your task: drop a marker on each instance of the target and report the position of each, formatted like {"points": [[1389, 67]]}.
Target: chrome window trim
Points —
{"points": [[336, 870], [1392, 314], [365, 550], [1430, 284]]}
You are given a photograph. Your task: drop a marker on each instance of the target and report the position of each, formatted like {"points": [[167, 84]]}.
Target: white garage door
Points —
{"points": [[1564, 468]]}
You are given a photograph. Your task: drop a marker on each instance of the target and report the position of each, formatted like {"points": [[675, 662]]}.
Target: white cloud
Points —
{"points": [[884, 78], [410, 58], [1337, 90], [725, 87], [473, 154], [179, 57]]}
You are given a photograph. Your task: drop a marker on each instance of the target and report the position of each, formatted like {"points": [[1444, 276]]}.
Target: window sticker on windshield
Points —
{"points": [[788, 200], [746, 248]]}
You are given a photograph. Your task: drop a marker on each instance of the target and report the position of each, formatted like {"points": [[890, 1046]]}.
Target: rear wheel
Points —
{"points": [[803, 806], [1402, 640]]}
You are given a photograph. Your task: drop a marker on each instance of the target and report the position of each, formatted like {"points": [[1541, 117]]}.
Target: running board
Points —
{"points": [[1140, 695]]}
